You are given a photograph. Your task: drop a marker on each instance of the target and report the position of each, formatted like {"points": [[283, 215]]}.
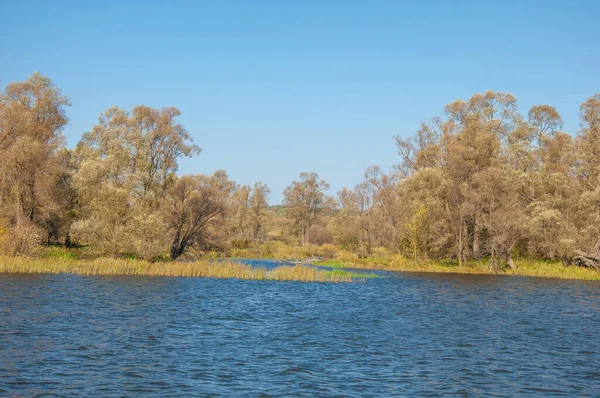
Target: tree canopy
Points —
{"points": [[480, 181]]}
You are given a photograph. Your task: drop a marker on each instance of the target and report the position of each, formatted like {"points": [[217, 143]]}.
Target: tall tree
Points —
{"points": [[195, 205], [304, 200], [125, 167], [545, 121], [32, 117], [588, 142], [259, 202]]}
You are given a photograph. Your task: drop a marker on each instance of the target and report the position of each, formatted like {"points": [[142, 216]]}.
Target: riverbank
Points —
{"points": [[543, 269], [86, 262], [383, 259], [196, 269]]}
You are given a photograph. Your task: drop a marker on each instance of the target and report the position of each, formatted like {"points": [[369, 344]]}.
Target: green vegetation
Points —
{"points": [[357, 275], [334, 264], [475, 191]]}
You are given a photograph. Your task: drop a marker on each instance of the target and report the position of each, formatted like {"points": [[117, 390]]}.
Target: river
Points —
{"points": [[400, 335]]}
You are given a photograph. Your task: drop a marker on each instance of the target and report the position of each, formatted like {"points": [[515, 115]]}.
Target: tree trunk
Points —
{"points": [[582, 259], [304, 235], [511, 263], [476, 237], [466, 255], [18, 207], [460, 245], [31, 214], [176, 247]]}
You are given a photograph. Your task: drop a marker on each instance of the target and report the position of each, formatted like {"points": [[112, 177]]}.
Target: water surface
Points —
{"points": [[403, 335]]}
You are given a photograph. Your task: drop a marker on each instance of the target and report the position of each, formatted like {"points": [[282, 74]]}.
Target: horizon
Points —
{"points": [[253, 78]]}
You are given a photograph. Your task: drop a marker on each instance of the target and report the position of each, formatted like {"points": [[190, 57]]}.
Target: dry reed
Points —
{"points": [[541, 269], [198, 269]]}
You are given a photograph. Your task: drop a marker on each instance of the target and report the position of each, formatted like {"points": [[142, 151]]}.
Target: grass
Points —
{"points": [[545, 269], [555, 270], [83, 261], [357, 275], [282, 251], [334, 264], [198, 269]]}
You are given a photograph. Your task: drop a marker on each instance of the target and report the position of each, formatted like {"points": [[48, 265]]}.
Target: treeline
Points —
{"points": [[484, 181], [118, 190]]}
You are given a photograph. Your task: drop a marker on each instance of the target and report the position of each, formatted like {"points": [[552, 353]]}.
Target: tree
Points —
{"points": [[304, 200], [346, 227], [194, 209], [545, 121], [259, 202], [587, 167], [32, 117], [125, 167], [588, 142], [141, 147], [381, 189], [502, 215], [240, 213]]}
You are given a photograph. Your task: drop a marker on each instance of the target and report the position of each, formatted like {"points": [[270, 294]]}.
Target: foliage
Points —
{"points": [[24, 239], [483, 184], [304, 201]]}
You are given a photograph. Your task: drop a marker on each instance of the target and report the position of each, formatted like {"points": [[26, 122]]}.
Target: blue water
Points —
{"points": [[403, 335]]}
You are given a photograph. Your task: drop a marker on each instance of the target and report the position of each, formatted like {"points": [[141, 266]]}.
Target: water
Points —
{"points": [[404, 335]]}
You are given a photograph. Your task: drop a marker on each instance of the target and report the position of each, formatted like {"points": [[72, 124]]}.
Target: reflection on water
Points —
{"points": [[410, 334]]}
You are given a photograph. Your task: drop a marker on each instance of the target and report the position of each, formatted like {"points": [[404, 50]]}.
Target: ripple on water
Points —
{"points": [[404, 335]]}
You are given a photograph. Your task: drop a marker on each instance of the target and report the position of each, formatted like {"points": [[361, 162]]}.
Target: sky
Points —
{"points": [[270, 89]]}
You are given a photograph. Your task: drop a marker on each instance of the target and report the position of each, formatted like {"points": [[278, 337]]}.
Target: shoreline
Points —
{"points": [[197, 269], [537, 269], [530, 268], [232, 268]]}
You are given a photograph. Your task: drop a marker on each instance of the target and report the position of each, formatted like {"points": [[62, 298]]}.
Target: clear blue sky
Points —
{"points": [[273, 88]]}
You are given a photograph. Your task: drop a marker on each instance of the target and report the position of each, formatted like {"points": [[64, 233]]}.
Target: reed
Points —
{"points": [[199, 269], [544, 269], [555, 270]]}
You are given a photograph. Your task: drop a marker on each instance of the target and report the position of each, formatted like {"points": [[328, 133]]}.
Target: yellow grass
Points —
{"points": [[555, 270], [385, 260], [199, 269], [543, 269]]}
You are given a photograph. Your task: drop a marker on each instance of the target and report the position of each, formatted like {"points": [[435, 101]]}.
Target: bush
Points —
{"points": [[284, 251], [24, 240], [318, 235], [382, 252], [398, 261], [328, 251], [347, 257], [147, 237], [239, 243], [267, 249]]}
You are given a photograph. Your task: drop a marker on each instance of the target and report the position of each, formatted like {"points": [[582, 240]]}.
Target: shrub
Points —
{"points": [[239, 243], [328, 251], [147, 237], [23, 240], [382, 252], [318, 235], [398, 261], [347, 257], [267, 249]]}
